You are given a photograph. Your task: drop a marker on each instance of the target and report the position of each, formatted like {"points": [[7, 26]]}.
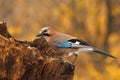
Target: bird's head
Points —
{"points": [[46, 31]]}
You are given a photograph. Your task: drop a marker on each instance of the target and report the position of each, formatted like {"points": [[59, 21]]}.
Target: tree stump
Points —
{"points": [[24, 60]]}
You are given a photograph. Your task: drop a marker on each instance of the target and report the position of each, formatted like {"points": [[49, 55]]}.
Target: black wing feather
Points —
{"points": [[81, 42]]}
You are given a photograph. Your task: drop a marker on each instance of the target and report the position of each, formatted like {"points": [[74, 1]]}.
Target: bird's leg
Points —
{"points": [[76, 56]]}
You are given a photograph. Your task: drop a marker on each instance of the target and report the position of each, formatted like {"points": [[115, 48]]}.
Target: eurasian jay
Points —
{"points": [[67, 43]]}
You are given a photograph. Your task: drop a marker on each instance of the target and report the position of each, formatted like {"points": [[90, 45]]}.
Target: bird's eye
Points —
{"points": [[45, 30]]}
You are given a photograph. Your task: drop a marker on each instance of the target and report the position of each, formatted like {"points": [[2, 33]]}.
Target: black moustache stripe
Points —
{"points": [[46, 34]]}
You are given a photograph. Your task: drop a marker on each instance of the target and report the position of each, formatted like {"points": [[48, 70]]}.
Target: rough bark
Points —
{"points": [[35, 60]]}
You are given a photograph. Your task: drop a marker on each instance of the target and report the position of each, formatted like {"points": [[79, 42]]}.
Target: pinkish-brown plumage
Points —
{"points": [[66, 43]]}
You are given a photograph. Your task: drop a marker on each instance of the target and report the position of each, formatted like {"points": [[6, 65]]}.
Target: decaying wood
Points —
{"points": [[23, 60]]}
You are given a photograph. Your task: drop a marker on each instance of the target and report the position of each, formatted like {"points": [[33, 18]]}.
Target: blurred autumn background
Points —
{"points": [[95, 21]]}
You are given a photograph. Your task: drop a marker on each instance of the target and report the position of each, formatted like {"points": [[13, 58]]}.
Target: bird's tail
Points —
{"points": [[103, 52]]}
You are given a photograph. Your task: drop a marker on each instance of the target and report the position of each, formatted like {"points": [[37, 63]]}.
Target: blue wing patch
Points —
{"points": [[63, 44]]}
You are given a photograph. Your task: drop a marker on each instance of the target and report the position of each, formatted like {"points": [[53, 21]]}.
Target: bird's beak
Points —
{"points": [[39, 34]]}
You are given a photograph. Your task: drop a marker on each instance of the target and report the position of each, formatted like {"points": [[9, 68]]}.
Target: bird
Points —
{"points": [[68, 44]]}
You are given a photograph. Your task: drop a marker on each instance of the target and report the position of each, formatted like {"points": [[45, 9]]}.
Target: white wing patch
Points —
{"points": [[75, 44], [78, 43]]}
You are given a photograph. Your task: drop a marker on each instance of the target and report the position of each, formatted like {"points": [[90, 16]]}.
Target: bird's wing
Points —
{"points": [[59, 37], [72, 43], [84, 47]]}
